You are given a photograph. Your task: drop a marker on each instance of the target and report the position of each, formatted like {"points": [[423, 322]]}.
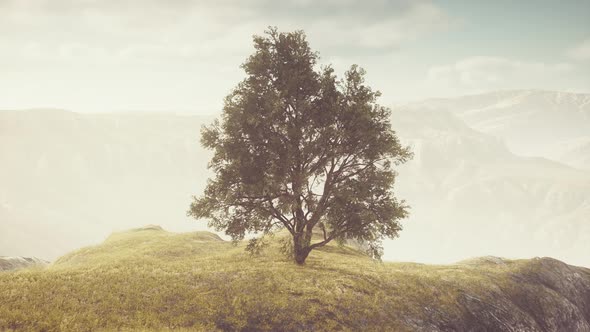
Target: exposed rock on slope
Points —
{"points": [[547, 296], [15, 263]]}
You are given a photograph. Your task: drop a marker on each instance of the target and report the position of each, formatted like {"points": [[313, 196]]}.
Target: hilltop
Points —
{"points": [[151, 279]]}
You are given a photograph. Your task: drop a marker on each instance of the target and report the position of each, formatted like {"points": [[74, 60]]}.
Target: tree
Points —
{"points": [[298, 149]]}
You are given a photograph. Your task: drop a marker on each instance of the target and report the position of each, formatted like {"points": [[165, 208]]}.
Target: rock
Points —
{"points": [[16, 263], [149, 228]]}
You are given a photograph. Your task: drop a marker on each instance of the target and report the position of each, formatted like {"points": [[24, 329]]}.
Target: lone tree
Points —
{"points": [[299, 149]]}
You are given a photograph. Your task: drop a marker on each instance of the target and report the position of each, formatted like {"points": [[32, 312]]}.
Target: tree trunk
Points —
{"points": [[301, 242], [301, 255]]}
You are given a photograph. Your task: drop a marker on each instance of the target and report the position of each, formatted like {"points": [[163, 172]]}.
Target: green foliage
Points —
{"points": [[155, 280], [255, 246], [297, 148], [286, 247]]}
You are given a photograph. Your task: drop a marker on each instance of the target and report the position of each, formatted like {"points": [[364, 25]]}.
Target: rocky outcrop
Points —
{"points": [[16, 263], [547, 296]]}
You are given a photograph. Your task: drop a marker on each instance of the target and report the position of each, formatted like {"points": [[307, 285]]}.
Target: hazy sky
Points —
{"points": [[182, 55]]}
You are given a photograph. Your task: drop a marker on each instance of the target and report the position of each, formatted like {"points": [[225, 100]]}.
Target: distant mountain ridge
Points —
{"points": [[469, 194], [532, 122], [70, 179]]}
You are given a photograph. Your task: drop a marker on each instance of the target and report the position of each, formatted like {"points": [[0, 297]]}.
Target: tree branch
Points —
{"points": [[281, 217]]}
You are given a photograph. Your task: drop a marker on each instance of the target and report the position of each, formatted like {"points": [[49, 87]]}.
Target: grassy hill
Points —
{"points": [[150, 279]]}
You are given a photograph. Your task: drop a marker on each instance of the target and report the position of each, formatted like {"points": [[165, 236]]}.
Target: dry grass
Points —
{"points": [[155, 280]]}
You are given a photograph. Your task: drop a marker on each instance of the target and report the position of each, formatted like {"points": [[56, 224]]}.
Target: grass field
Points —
{"points": [[150, 279]]}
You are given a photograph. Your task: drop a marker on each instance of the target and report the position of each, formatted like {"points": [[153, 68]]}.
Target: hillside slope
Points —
{"points": [[151, 279]]}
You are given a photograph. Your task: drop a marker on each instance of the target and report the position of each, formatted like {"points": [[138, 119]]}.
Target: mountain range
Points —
{"points": [[503, 173]]}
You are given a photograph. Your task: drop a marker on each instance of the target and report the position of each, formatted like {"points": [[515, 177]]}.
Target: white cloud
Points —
{"points": [[481, 73], [383, 32], [147, 54], [580, 51], [187, 28]]}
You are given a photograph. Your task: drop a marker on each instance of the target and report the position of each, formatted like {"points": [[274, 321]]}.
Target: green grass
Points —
{"points": [[155, 280]]}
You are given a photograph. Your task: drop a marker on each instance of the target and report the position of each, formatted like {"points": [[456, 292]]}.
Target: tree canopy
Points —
{"points": [[300, 149]]}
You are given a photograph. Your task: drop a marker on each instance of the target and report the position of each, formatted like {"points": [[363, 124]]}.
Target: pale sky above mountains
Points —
{"points": [[90, 55]]}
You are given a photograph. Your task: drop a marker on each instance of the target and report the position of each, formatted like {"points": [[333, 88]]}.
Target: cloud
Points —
{"points": [[580, 51], [155, 54], [183, 28], [373, 25], [481, 73]]}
